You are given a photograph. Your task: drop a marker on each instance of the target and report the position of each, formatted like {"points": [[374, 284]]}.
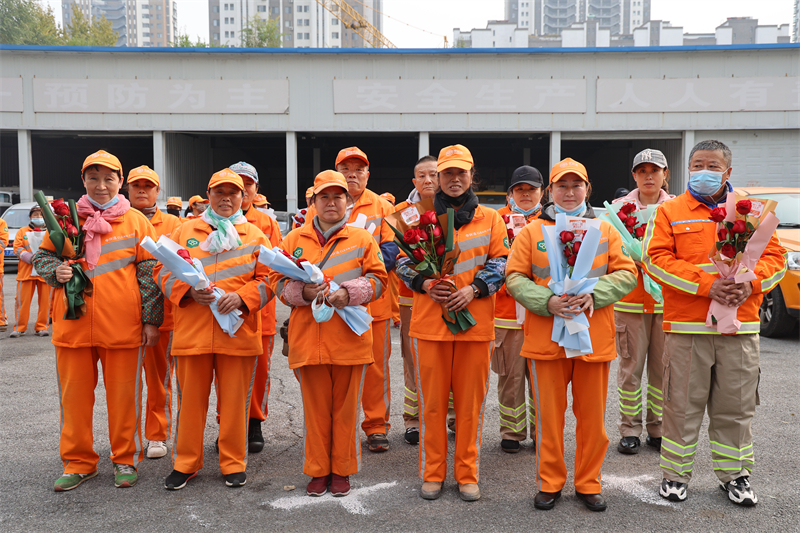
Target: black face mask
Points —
{"points": [[463, 215]]}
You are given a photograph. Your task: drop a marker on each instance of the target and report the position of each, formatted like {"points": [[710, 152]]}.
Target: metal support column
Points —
{"points": [[25, 165], [291, 172]]}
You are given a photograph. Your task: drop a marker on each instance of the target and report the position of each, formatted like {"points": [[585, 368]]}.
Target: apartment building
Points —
{"points": [[142, 23], [551, 17]]}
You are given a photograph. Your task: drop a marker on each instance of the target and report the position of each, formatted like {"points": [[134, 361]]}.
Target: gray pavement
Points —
{"points": [[385, 493]]}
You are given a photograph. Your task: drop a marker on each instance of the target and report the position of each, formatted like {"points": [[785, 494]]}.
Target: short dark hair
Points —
{"points": [[425, 159], [713, 146]]}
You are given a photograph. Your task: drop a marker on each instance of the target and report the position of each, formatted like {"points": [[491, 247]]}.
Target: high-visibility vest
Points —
{"points": [[676, 248], [113, 316], [529, 257], [165, 224], [505, 307], [24, 270], [269, 226], [196, 330], [483, 238], [356, 254]]}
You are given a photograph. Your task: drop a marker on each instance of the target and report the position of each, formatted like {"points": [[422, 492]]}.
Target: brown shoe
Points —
{"points": [[318, 486], [593, 502], [431, 490], [377, 442], [469, 492], [546, 500]]}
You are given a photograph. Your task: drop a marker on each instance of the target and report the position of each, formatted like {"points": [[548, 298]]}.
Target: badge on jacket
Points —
{"points": [[298, 252], [541, 247], [192, 243]]}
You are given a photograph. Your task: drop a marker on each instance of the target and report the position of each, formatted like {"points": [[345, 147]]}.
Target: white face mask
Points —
{"points": [[38, 222], [320, 309]]}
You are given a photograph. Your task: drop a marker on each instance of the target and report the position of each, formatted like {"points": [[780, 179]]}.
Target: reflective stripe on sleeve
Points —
{"points": [[769, 283], [378, 284], [540, 272]]}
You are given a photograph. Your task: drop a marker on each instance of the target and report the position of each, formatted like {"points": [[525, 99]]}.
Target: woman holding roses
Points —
{"points": [[528, 274], [638, 319], [444, 361]]}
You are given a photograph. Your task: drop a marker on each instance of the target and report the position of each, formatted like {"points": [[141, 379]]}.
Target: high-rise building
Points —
{"points": [[796, 22], [137, 22], [550, 17], [303, 23]]}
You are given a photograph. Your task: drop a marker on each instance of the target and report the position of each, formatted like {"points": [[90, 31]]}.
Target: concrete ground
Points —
{"points": [[385, 493]]}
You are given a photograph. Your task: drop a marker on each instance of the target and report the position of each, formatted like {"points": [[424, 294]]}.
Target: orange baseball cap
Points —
{"points": [[457, 156], [101, 157], [389, 197], [568, 166], [174, 201], [309, 192], [260, 200], [143, 173], [197, 198], [228, 176], [329, 178], [353, 151]]}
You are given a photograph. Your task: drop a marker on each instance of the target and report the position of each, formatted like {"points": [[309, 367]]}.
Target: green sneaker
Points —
{"points": [[124, 476], [71, 481]]}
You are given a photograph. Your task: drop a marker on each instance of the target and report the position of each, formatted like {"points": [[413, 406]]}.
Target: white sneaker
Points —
{"points": [[156, 449], [16, 334], [673, 490], [740, 492], [42, 333]]}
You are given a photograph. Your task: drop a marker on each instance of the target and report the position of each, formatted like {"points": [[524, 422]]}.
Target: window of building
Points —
{"points": [[335, 22], [305, 9], [306, 36], [299, 9], [287, 37], [227, 34], [287, 23], [215, 22], [232, 34], [145, 25], [335, 35], [226, 20], [261, 9], [158, 7], [287, 10], [158, 17], [355, 36], [299, 35], [275, 10], [307, 22], [158, 26], [226, 8], [216, 36], [216, 9], [159, 35]]}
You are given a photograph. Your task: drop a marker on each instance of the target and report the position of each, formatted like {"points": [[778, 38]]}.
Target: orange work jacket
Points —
{"points": [[483, 238], [3, 239], [505, 307], [676, 247], [113, 316], [272, 232], [196, 330], [333, 342], [529, 257], [165, 224], [375, 209], [406, 295], [25, 270]]}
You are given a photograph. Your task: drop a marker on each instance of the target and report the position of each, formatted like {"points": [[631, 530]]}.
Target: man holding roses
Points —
{"points": [[703, 369]]}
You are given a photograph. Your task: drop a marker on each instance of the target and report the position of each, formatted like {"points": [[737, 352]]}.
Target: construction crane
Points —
{"points": [[355, 21]]}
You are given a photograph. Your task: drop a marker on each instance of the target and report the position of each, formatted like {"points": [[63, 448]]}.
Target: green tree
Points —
{"points": [[184, 41], [27, 22], [81, 32], [260, 33]]}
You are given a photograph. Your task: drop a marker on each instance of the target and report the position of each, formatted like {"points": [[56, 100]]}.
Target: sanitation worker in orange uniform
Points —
{"points": [[228, 247], [26, 243], [123, 314], [524, 193], [528, 273], [174, 205], [143, 189], [444, 361], [329, 360], [4, 243], [376, 400]]}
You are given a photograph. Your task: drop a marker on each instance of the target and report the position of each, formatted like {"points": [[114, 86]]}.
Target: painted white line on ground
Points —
{"points": [[352, 502], [647, 492]]}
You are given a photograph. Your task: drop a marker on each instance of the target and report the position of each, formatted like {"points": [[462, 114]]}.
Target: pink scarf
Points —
{"points": [[633, 196], [96, 224]]}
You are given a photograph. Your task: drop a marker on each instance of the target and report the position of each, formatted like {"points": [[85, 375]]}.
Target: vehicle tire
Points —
{"points": [[775, 320]]}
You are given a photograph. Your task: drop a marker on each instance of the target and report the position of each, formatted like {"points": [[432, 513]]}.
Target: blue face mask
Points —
{"points": [[106, 205], [321, 310], [578, 211], [518, 209], [705, 182]]}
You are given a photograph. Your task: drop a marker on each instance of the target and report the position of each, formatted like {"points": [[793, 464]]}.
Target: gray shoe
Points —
{"points": [[16, 334], [42, 333]]}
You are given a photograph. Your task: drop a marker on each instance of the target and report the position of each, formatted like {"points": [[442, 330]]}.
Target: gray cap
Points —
{"points": [[245, 169], [650, 155]]}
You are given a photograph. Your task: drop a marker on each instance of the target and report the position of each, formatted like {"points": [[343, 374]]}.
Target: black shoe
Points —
{"points": [[509, 446], [674, 491], [237, 479], [216, 445], [593, 502], [412, 435], [255, 440], [655, 442], [546, 500], [740, 492], [629, 445], [177, 480]]}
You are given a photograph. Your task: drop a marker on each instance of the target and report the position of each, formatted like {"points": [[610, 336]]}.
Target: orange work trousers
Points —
{"points": [[377, 397], [550, 380], [260, 397], [158, 377], [194, 375], [22, 305], [463, 367], [331, 398], [3, 317], [77, 379], [394, 294]]}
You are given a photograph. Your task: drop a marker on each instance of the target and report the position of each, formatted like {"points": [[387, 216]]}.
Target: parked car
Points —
{"points": [[780, 309], [16, 217], [6, 200], [493, 199]]}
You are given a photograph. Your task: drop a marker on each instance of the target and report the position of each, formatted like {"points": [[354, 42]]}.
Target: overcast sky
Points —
{"points": [[439, 17]]}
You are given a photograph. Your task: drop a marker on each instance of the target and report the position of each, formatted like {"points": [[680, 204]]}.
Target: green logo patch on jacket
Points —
{"points": [[380, 256], [505, 241], [298, 252], [192, 243], [625, 251], [541, 247]]}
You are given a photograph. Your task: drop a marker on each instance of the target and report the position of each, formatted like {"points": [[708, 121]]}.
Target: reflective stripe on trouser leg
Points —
{"points": [[43, 291], [376, 399], [77, 380], [732, 405], [260, 396], [156, 372], [589, 391], [410, 399], [235, 375], [631, 342], [655, 375], [194, 375], [122, 378]]}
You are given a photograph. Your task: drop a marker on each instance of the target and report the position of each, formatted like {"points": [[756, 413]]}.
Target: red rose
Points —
{"points": [[60, 208], [628, 208], [571, 260], [723, 234], [640, 232], [510, 233], [428, 217], [622, 216], [185, 254], [743, 207], [440, 250], [411, 236], [423, 235], [506, 219], [437, 232], [728, 250], [718, 214], [303, 211], [739, 227], [567, 236], [419, 254], [576, 246], [567, 251], [72, 231], [631, 222]]}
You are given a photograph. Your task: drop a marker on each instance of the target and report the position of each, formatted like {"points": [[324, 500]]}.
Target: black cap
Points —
{"points": [[526, 174]]}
